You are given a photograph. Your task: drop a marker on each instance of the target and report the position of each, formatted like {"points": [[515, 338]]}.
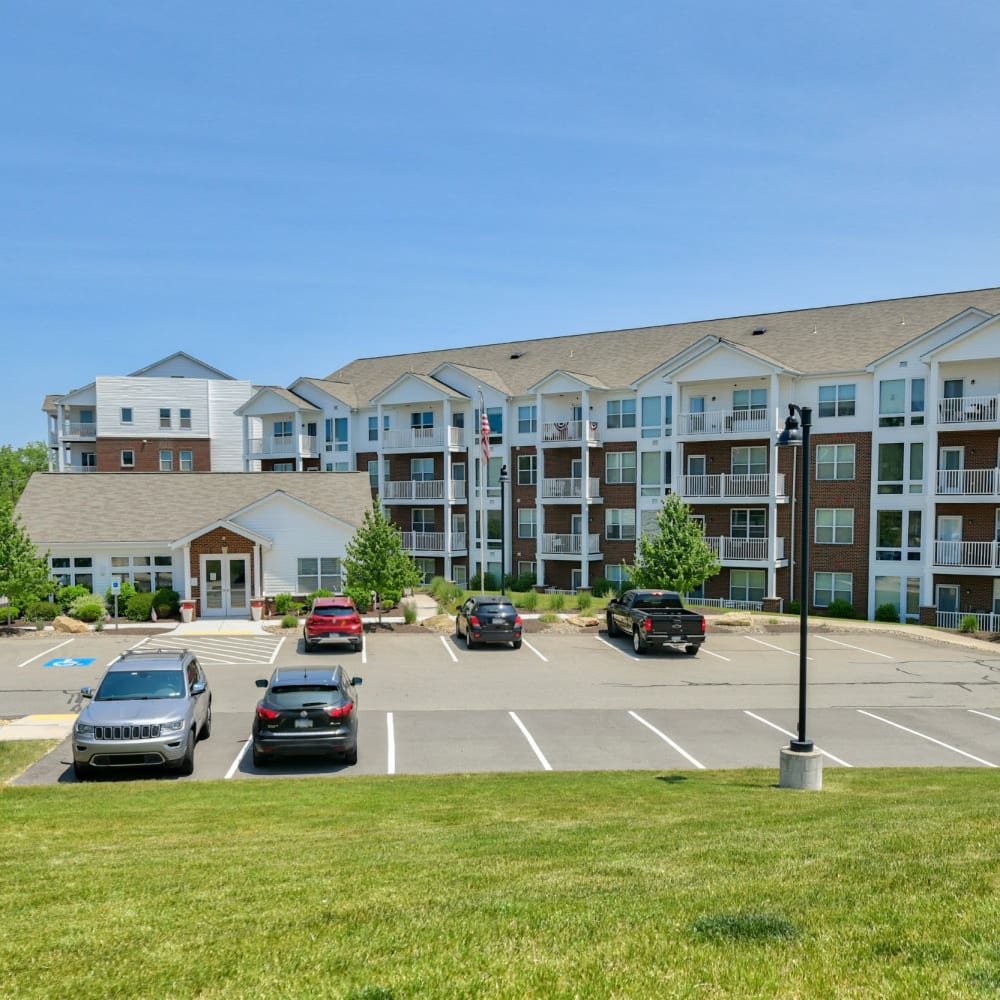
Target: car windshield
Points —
{"points": [[333, 612], [495, 609], [141, 685], [303, 695]]}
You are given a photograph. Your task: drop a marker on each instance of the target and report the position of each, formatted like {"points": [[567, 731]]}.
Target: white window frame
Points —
{"points": [[185, 460], [841, 400], [839, 586], [166, 418], [185, 418], [130, 462], [619, 524], [837, 461], [328, 574], [621, 413], [126, 415], [834, 526], [166, 460], [527, 522], [617, 468], [527, 470]]}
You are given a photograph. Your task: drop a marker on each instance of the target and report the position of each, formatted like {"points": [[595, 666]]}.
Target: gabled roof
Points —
{"points": [[148, 371], [436, 386], [342, 391], [485, 375], [285, 398], [156, 507]]}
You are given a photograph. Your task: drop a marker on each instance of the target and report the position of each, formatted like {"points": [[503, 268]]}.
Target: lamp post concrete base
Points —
{"points": [[801, 770]]}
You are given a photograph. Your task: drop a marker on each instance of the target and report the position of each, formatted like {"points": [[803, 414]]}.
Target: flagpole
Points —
{"points": [[484, 462]]}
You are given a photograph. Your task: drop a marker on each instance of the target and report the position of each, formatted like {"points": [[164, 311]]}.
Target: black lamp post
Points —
{"points": [[503, 527], [795, 437]]}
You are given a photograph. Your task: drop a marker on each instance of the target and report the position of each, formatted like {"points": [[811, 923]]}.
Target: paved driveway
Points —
{"points": [[581, 702]]}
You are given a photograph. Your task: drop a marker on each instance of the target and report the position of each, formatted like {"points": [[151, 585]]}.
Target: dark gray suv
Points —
{"points": [[150, 709], [488, 618]]}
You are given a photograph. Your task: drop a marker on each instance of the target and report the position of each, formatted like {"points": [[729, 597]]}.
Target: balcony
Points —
{"points": [[413, 490], [730, 549], [570, 432], [570, 489], [968, 410], [715, 423], [968, 483], [570, 545], [733, 487], [966, 555], [432, 542], [80, 429], [423, 438], [283, 446]]}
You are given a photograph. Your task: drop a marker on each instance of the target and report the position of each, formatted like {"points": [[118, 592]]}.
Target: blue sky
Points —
{"points": [[278, 188]]}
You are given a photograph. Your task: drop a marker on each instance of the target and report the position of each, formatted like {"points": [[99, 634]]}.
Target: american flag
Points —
{"points": [[484, 439]]}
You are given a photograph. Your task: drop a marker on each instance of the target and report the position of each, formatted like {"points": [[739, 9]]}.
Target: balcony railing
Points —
{"points": [[422, 438], [433, 541], [413, 489], [968, 482], [79, 429], [570, 545], [757, 420], [733, 487], [732, 549], [985, 620], [285, 446], [966, 555], [568, 431], [80, 468], [968, 410], [563, 489]]}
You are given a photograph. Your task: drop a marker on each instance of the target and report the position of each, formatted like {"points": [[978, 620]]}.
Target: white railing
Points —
{"points": [[570, 430], [80, 468], [555, 489], [76, 428], [413, 489], [726, 486], [458, 489], [985, 621], [432, 541], [422, 438], [968, 482], [721, 602], [731, 549], [968, 410], [970, 555], [284, 445], [570, 545], [752, 421]]}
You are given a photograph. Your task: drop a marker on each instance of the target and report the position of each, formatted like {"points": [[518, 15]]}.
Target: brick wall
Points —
{"points": [[211, 543], [147, 453]]}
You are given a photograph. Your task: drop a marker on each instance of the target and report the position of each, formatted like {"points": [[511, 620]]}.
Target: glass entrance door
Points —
{"points": [[224, 582]]}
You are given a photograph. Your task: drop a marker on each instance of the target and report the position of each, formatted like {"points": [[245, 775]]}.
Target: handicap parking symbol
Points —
{"points": [[70, 662]]}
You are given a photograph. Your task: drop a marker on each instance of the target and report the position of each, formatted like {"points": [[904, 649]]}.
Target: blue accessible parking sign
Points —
{"points": [[70, 662]]}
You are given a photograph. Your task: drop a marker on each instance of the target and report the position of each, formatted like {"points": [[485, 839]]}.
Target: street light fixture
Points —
{"points": [[503, 527]]}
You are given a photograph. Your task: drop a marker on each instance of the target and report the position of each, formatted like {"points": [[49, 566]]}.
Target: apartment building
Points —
{"points": [[593, 430], [175, 415]]}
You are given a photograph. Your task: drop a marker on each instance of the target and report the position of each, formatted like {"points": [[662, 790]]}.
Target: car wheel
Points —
{"points": [[307, 646], [259, 759], [637, 643], [469, 643], [206, 729], [612, 630], [691, 650], [186, 766], [458, 631], [357, 647], [516, 643], [82, 772], [351, 756]]}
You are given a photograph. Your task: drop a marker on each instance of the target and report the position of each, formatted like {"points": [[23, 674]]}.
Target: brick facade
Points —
{"points": [[146, 452]]}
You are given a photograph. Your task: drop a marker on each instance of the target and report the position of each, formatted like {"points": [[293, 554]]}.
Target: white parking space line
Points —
{"points": [[390, 727], [446, 641], [847, 645], [985, 715], [704, 651], [277, 649], [773, 725], [789, 652], [534, 746], [535, 651], [141, 642], [930, 739], [666, 739], [617, 649], [239, 757], [46, 653]]}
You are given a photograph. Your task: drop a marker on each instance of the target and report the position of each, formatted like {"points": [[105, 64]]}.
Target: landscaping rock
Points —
{"points": [[733, 619], [64, 624]]}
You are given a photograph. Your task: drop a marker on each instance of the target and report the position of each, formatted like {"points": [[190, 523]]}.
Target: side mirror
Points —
{"points": [[356, 681], [198, 687], [86, 693], [261, 683]]}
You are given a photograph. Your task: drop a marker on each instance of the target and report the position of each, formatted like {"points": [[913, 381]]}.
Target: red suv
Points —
{"points": [[332, 619]]}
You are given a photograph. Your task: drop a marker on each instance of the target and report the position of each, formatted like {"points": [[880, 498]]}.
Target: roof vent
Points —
{"points": [[758, 330], [515, 355]]}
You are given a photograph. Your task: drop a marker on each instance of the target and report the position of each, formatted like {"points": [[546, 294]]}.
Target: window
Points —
{"points": [[916, 401], [185, 416], [426, 566], [422, 519], [186, 461], [373, 474], [340, 442], [166, 461], [889, 535], [749, 399], [458, 419], [619, 467], [527, 522], [748, 522], [917, 467], [829, 587], [88, 459], [890, 468], [373, 428], [319, 573], [651, 477], [284, 467], [165, 417], [619, 524], [834, 526], [145, 573], [527, 419], [494, 414], [422, 470], [891, 402], [747, 585], [835, 461], [128, 458], [836, 400], [621, 413], [126, 414], [340, 467], [527, 470], [652, 423], [423, 420], [526, 568], [70, 570], [282, 430], [616, 573], [749, 461]]}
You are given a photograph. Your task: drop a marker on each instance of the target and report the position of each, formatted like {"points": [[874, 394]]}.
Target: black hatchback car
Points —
{"points": [[488, 619], [308, 712]]}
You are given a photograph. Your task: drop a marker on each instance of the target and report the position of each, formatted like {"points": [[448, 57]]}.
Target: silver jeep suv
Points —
{"points": [[150, 709]]}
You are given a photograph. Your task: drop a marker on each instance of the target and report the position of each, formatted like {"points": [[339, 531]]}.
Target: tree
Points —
{"points": [[17, 465], [677, 557], [376, 561], [24, 575]]}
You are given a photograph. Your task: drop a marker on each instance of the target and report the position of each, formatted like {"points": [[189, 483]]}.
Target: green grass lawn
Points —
{"points": [[629, 885]]}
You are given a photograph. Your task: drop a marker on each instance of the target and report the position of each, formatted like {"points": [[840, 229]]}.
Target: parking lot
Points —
{"points": [[570, 702]]}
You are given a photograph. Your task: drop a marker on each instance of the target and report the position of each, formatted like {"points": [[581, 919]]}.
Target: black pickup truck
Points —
{"points": [[656, 618]]}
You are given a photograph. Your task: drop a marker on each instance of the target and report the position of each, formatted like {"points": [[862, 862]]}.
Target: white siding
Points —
{"points": [[224, 398]]}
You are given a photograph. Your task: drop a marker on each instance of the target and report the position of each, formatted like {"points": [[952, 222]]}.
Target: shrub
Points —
{"points": [[886, 613], [602, 587], [584, 601], [166, 602], [42, 611], [530, 601], [521, 583], [125, 591], [491, 583], [557, 602], [290, 621], [65, 596], [409, 612], [969, 623], [139, 607], [840, 609], [360, 595], [85, 601], [283, 603], [89, 612], [794, 607], [548, 618], [322, 592], [390, 598]]}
